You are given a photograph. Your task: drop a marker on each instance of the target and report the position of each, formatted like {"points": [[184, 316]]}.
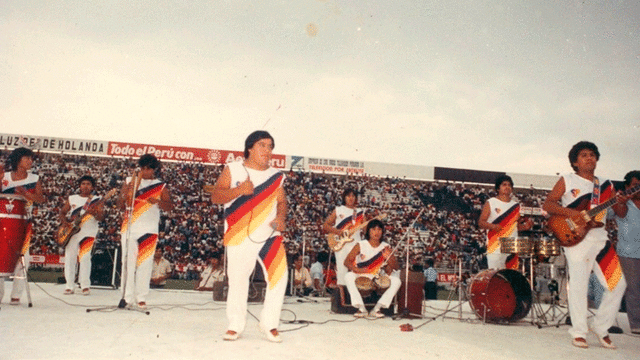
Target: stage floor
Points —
{"points": [[189, 325]]}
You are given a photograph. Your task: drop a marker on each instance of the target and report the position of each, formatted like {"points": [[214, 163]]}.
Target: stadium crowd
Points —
{"points": [[446, 230]]}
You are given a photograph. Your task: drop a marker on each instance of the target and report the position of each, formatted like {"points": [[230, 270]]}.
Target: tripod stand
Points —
{"points": [[406, 314], [459, 290]]}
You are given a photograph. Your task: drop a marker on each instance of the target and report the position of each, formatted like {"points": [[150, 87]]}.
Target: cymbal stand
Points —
{"points": [[537, 313], [556, 309], [459, 290], [405, 311]]}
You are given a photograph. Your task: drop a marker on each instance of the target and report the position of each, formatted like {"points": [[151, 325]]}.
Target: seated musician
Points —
{"points": [[367, 259]]}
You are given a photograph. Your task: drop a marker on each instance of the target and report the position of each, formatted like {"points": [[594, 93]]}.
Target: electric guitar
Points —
{"points": [[337, 242], [67, 230], [566, 228]]}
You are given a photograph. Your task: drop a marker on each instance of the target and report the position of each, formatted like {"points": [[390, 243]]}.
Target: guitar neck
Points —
{"points": [[607, 204]]}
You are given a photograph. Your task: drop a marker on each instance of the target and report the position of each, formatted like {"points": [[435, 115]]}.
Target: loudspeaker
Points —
{"points": [[103, 271], [256, 291], [415, 293]]}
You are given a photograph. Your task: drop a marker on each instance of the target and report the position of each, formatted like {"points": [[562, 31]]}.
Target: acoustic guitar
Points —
{"points": [[566, 228], [337, 242], [67, 230]]}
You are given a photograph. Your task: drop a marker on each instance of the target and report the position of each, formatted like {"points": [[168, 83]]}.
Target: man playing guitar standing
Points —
{"points": [[343, 218], [566, 198], [78, 248]]}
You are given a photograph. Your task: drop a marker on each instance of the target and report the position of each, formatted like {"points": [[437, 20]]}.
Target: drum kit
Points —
{"points": [[14, 225], [507, 295]]}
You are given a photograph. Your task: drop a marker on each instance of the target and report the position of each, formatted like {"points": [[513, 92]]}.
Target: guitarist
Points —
{"points": [[80, 245], [627, 216], [343, 218], [570, 194]]}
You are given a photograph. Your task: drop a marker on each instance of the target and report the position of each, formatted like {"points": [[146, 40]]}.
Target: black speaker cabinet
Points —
{"points": [[105, 267]]}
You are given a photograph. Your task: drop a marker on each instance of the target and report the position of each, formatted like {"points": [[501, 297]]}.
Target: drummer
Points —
{"points": [[367, 259], [17, 180], [501, 216]]}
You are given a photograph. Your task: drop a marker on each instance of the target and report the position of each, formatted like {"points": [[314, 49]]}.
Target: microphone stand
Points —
{"points": [[125, 251], [405, 311]]}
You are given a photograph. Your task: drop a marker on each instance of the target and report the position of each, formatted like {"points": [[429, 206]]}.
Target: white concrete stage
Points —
{"points": [[189, 325]]}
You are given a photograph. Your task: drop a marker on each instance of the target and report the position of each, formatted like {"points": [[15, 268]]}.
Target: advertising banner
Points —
{"points": [[46, 143]]}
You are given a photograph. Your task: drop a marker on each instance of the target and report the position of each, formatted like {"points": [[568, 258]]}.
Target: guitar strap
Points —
{"points": [[595, 195]]}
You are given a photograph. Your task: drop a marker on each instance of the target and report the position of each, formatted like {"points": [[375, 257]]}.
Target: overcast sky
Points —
{"points": [[488, 85]]}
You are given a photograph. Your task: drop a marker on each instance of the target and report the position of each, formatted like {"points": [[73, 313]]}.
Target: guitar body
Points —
{"points": [[336, 243], [567, 230], [66, 231]]}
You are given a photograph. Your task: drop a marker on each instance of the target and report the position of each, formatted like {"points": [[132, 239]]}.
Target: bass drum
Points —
{"points": [[500, 295]]}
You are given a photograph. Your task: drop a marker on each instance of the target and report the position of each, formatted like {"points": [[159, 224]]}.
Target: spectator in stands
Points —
{"points": [[431, 281], [317, 272], [18, 180], [302, 283], [501, 216], [211, 274], [161, 270]]}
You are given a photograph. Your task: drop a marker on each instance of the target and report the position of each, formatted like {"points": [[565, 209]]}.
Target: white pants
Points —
{"points": [[341, 255], [18, 283], [136, 270], [71, 254], [497, 260], [385, 299], [241, 260], [581, 261]]}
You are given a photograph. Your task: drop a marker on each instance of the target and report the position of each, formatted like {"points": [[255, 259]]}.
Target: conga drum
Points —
{"points": [[381, 283], [500, 295], [365, 285], [13, 231]]}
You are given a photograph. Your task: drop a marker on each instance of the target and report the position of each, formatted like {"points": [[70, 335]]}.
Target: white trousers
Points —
{"points": [[341, 255], [385, 299], [18, 283], [581, 261], [136, 276], [497, 260], [241, 260], [71, 252]]}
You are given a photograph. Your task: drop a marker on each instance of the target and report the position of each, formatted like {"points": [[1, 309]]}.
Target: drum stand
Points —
{"points": [[537, 313], [26, 280], [459, 290]]}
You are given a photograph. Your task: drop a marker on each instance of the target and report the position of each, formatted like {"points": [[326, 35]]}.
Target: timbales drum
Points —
{"points": [[547, 246], [500, 295], [522, 246], [13, 231]]}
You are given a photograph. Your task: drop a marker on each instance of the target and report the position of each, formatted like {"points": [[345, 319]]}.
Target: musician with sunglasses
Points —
{"points": [[574, 191]]}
